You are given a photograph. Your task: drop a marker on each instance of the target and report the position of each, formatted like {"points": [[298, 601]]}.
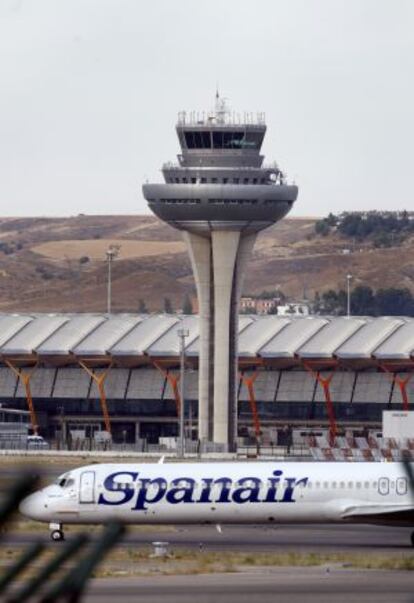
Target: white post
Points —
{"points": [[111, 254], [348, 294], [182, 334]]}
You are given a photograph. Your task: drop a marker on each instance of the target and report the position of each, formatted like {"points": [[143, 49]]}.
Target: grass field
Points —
{"points": [[95, 250]]}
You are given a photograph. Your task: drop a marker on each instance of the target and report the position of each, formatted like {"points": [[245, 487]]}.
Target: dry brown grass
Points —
{"points": [[96, 249]]}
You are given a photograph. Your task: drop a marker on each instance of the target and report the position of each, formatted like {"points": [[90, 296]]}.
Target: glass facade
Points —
{"points": [[223, 139]]}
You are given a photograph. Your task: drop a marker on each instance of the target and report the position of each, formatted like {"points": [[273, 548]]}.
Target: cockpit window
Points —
{"points": [[65, 480]]}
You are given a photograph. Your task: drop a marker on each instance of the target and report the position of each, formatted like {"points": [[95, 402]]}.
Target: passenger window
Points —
{"points": [[358, 484], [401, 485], [333, 484], [325, 485], [366, 484], [350, 485], [342, 485], [383, 486]]}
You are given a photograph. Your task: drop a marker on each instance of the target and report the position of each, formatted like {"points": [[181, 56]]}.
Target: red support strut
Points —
{"points": [[402, 384], [325, 383], [249, 383]]}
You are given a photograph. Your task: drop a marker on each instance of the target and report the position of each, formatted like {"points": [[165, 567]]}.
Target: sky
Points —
{"points": [[90, 91]]}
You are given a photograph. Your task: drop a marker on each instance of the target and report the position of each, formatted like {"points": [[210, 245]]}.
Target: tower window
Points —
{"points": [[203, 180], [193, 180], [235, 180], [245, 181], [200, 139]]}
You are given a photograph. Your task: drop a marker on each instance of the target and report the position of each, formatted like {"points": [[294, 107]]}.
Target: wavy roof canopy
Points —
{"points": [[135, 339]]}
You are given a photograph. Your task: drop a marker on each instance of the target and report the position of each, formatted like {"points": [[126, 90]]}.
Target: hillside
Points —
{"points": [[57, 264]]}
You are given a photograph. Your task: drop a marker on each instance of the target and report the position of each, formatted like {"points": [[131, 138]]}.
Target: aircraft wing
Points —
{"points": [[385, 514]]}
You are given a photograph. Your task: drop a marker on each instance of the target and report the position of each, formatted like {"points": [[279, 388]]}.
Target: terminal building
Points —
{"points": [[119, 374]]}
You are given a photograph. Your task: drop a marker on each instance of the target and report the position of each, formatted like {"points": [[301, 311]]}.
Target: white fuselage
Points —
{"points": [[253, 492]]}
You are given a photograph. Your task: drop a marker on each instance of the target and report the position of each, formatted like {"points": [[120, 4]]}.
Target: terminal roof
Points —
{"points": [[136, 339]]}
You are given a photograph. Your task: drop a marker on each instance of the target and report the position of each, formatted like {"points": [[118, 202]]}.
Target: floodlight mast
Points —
{"points": [[220, 195]]}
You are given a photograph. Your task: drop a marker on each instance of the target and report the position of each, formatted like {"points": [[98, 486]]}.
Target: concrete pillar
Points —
{"points": [[219, 266], [199, 249], [246, 245], [225, 246]]}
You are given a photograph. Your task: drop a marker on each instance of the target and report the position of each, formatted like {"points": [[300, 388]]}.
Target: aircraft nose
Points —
{"points": [[33, 506]]}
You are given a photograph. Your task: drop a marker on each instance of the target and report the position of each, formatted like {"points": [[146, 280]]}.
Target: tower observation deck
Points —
{"points": [[220, 194]]}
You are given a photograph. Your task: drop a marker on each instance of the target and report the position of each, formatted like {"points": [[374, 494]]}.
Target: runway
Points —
{"points": [[278, 539], [292, 585]]}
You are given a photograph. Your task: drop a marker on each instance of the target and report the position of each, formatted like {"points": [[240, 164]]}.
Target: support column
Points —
{"points": [[25, 377], [99, 380], [199, 249], [225, 246], [245, 249]]}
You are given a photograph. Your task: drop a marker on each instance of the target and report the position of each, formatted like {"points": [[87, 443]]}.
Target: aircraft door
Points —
{"points": [[384, 486], [401, 485], [87, 487]]}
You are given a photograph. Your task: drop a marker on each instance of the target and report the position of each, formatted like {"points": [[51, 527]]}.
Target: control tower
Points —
{"points": [[220, 195]]}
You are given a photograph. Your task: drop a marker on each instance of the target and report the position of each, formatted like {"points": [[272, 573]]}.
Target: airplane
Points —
{"points": [[225, 493]]}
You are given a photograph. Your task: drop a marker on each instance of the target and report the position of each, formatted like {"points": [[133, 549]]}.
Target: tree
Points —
{"points": [[142, 308], [395, 302], [322, 227], [168, 307], [363, 301], [187, 305]]}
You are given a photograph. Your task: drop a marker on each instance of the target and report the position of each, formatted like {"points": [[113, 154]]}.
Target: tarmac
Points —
{"points": [[292, 585], [296, 538]]}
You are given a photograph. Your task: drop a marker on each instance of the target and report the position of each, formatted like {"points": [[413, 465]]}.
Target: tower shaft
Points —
{"points": [[218, 265]]}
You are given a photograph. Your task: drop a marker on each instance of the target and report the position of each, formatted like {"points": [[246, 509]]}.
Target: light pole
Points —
{"points": [[348, 294], [182, 334], [111, 254]]}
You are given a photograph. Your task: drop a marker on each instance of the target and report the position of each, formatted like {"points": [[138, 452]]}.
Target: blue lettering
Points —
{"points": [[291, 485], [109, 484], [206, 491], [182, 493], [145, 494], [226, 484], [247, 493], [272, 490]]}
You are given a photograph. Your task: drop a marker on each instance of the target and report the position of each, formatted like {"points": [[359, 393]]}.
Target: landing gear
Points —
{"points": [[412, 538], [57, 535], [56, 532]]}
